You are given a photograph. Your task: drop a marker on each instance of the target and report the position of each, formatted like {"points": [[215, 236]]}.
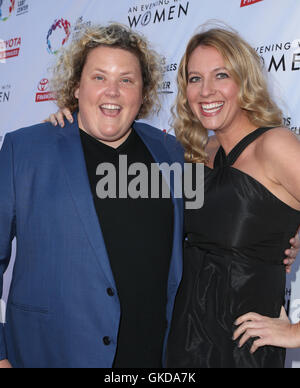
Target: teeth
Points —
{"points": [[110, 107], [212, 107]]}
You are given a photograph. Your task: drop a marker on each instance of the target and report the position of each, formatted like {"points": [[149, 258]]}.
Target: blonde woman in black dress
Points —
{"points": [[235, 242]]}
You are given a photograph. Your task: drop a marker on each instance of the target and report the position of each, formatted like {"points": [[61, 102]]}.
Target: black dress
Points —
{"points": [[233, 264]]}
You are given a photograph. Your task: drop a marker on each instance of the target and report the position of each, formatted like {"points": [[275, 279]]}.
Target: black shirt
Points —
{"points": [[138, 235]]}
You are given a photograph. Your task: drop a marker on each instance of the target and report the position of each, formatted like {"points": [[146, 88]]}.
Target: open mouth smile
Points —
{"points": [[111, 110], [211, 109]]}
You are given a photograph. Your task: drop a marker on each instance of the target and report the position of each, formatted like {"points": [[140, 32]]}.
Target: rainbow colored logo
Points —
{"points": [[6, 9], [58, 25]]}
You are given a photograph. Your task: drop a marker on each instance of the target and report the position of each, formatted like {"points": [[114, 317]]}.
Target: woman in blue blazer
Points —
{"points": [[72, 304]]}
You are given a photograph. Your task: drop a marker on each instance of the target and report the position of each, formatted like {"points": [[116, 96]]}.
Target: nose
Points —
{"points": [[208, 87], [112, 89]]}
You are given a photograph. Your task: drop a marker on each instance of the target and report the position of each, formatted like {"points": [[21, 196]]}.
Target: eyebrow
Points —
{"points": [[105, 72], [213, 71]]}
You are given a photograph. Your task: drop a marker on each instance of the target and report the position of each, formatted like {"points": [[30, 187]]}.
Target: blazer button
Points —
{"points": [[110, 292], [106, 341]]}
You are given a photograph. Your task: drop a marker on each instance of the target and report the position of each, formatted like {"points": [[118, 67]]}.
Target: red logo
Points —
{"points": [[10, 48], [244, 3], [43, 85], [44, 95]]}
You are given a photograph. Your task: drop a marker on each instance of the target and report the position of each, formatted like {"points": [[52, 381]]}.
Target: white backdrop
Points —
{"points": [[32, 31]]}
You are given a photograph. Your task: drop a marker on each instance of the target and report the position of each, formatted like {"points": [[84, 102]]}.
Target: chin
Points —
{"points": [[108, 133], [210, 127]]}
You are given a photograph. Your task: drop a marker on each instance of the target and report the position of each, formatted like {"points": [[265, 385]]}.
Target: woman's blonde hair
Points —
{"points": [[67, 71], [246, 68]]}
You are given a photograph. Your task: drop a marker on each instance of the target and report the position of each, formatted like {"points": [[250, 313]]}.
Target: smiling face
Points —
{"points": [[110, 94], [212, 93]]}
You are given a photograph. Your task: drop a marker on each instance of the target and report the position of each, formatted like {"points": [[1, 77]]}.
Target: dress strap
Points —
{"points": [[222, 160]]}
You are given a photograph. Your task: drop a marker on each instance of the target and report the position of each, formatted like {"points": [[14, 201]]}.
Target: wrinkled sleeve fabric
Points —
{"points": [[7, 218]]}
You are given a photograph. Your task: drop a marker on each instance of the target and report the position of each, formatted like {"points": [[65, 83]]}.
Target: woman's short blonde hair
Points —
{"points": [[246, 68], [67, 71]]}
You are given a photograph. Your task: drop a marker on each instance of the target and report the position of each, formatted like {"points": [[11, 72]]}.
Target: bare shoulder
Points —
{"points": [[279, 157], [278, 153], [277, 140], [279, 134]]}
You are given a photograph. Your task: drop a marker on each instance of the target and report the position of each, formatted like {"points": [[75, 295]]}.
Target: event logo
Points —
{"points": [[5, 93], [244, 3], [22, 7], [58, 35], [155, 12], [43, 93], [282, 56], [9, 48], [6, 9]]}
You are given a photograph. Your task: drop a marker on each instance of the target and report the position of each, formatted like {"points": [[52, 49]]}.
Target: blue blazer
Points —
{"points": [[58, 310]]}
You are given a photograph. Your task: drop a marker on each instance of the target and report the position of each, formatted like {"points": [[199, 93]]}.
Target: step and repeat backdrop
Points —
{"points": [[32, 32]]}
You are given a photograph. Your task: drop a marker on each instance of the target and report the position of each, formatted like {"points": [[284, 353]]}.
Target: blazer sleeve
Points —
{"points": [[7, 219]]}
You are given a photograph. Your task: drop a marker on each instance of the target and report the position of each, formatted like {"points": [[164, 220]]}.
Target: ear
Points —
{"points": [[76, 93]]}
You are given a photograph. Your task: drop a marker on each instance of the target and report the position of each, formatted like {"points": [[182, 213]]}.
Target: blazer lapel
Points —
{"points": [[75, 167]]}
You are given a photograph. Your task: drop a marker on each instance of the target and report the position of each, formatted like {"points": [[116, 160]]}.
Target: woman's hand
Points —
{"points": [[59, 117], [269, 331], [292, 252]]}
